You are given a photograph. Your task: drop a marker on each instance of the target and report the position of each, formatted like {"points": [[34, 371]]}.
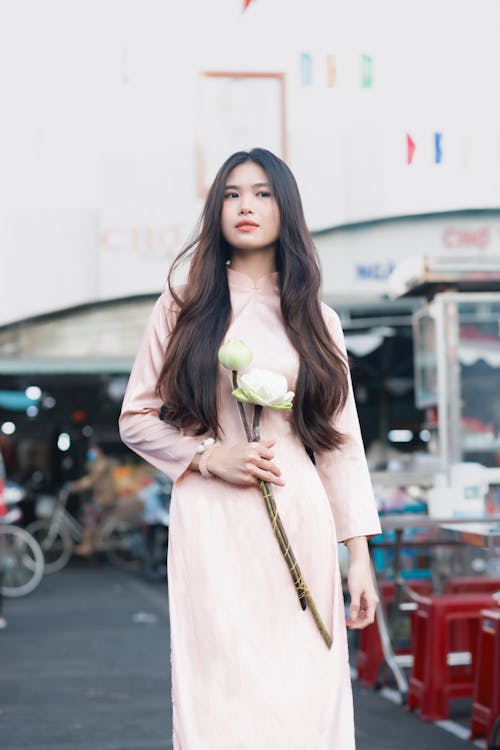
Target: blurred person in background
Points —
{"points": [[100, 484], [155, 497]]}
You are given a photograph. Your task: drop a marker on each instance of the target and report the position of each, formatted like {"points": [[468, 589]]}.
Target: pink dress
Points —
{"points": [[250, 670]]}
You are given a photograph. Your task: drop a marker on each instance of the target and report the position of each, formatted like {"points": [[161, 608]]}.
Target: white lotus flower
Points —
{"points": [[264, 387]]}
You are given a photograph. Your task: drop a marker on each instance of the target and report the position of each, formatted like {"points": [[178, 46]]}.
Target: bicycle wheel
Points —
{"points": [[121, 539], [22, 561], [56, 544]]}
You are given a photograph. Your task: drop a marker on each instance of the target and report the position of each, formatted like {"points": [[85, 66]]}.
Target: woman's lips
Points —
{"points": [[246, 227]]}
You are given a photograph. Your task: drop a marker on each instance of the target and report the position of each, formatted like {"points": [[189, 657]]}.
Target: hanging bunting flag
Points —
{"points": [[410, 148], [331, 71], [366, 71], [246, 4], [438, 151], [306, 64]]}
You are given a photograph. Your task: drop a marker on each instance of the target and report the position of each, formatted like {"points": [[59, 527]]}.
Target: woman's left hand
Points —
{"points": [[362, 591]]}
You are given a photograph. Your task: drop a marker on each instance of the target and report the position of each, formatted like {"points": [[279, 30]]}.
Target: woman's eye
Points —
{"points": [[264, 193], [231, 195]]}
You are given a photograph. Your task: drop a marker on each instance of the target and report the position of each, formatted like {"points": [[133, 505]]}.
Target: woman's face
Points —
{"points": [[250, 215]]}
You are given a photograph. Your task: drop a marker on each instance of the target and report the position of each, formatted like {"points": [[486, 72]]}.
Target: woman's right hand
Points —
{"points": [[245, 463]]}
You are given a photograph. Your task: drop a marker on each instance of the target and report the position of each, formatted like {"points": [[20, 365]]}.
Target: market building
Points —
{"points": [[104, 180]]}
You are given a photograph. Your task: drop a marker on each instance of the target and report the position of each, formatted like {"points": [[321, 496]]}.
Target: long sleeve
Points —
{"points": [[344, 472], [164, 446]]}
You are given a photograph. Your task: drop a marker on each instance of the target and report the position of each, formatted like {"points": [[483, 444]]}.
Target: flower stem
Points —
{"points": [[276, 521], [302, 590], [241, 410]]}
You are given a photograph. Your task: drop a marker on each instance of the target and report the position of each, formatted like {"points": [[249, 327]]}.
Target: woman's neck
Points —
{"points": [[255, 264]]}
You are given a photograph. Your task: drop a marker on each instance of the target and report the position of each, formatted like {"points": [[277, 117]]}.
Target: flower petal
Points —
{"points": [[240, 395]]}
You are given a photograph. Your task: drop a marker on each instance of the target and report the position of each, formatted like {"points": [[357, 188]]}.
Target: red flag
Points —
{"points": [[246, 3], [410, 148]]}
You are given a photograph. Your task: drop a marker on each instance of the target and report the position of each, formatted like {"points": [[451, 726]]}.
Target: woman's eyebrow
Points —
{"points": [[257, 184]]}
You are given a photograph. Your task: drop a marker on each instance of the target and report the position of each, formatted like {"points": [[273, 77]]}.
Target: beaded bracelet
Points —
{"points": [[202, 465]]}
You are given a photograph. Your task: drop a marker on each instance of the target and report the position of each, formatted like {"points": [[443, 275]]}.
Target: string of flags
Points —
{"points": [[410, 148], [306, 75], [331, 71], [307, 70], [437, 138], [366, 71]]}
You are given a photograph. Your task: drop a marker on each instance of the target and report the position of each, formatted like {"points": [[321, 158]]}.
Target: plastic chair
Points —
{"points": [[434, 680], [469, 585], [472, 585], [486, 698]]}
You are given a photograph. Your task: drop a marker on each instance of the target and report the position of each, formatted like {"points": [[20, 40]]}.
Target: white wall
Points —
{"points": [[103, 121]]}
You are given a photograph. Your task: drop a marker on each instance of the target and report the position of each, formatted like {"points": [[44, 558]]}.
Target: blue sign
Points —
{"points": [[378, 271]]}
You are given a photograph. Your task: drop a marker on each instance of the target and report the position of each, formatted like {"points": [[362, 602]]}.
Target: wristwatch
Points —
{"points": [[205, 445], [204, 450]]}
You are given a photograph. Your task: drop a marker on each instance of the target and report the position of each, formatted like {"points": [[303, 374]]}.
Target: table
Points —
{"points": [[485, 534], [398, 522]]}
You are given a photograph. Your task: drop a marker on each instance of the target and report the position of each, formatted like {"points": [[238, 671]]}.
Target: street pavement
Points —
{"points": [[84, 665]]}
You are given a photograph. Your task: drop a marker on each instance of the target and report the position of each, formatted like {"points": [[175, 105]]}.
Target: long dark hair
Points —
{"points": [[188, 380]]}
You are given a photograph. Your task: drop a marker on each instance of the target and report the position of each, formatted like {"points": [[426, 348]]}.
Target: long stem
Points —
{"points": [[302, 590], [279, 531], [276, 521], [241, 410]]}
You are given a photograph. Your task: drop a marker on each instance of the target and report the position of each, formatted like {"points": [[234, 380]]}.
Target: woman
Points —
{"points": [[249, 667]]}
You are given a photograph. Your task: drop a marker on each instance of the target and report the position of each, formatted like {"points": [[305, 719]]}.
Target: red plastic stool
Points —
{"points": [[469, 585], [433, 682], [486, 700], [370, 655], [472, 585]]}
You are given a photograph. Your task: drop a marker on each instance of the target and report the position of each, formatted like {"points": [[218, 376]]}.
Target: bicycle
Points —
{"points": [[119, 538], [21, 558]]}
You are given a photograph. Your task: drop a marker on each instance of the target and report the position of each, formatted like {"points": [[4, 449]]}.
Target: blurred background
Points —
{"points": [[115, 117]]}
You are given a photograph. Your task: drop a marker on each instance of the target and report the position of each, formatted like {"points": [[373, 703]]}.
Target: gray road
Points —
{"points": [[84, 665]]}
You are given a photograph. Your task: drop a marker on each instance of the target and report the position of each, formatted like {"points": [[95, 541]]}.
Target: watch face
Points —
{"points": [[205, 444]]}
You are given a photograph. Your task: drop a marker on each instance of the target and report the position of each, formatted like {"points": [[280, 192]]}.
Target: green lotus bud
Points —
{"points": [[235, 355]]}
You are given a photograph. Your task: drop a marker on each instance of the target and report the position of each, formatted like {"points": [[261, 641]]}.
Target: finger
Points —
{"points": [[366, 613], [260, 443], [359, 621], [261, 457], [371, 610], [266, 476], [266, 465], [362, 622], [262, 452], [355, 605]]}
